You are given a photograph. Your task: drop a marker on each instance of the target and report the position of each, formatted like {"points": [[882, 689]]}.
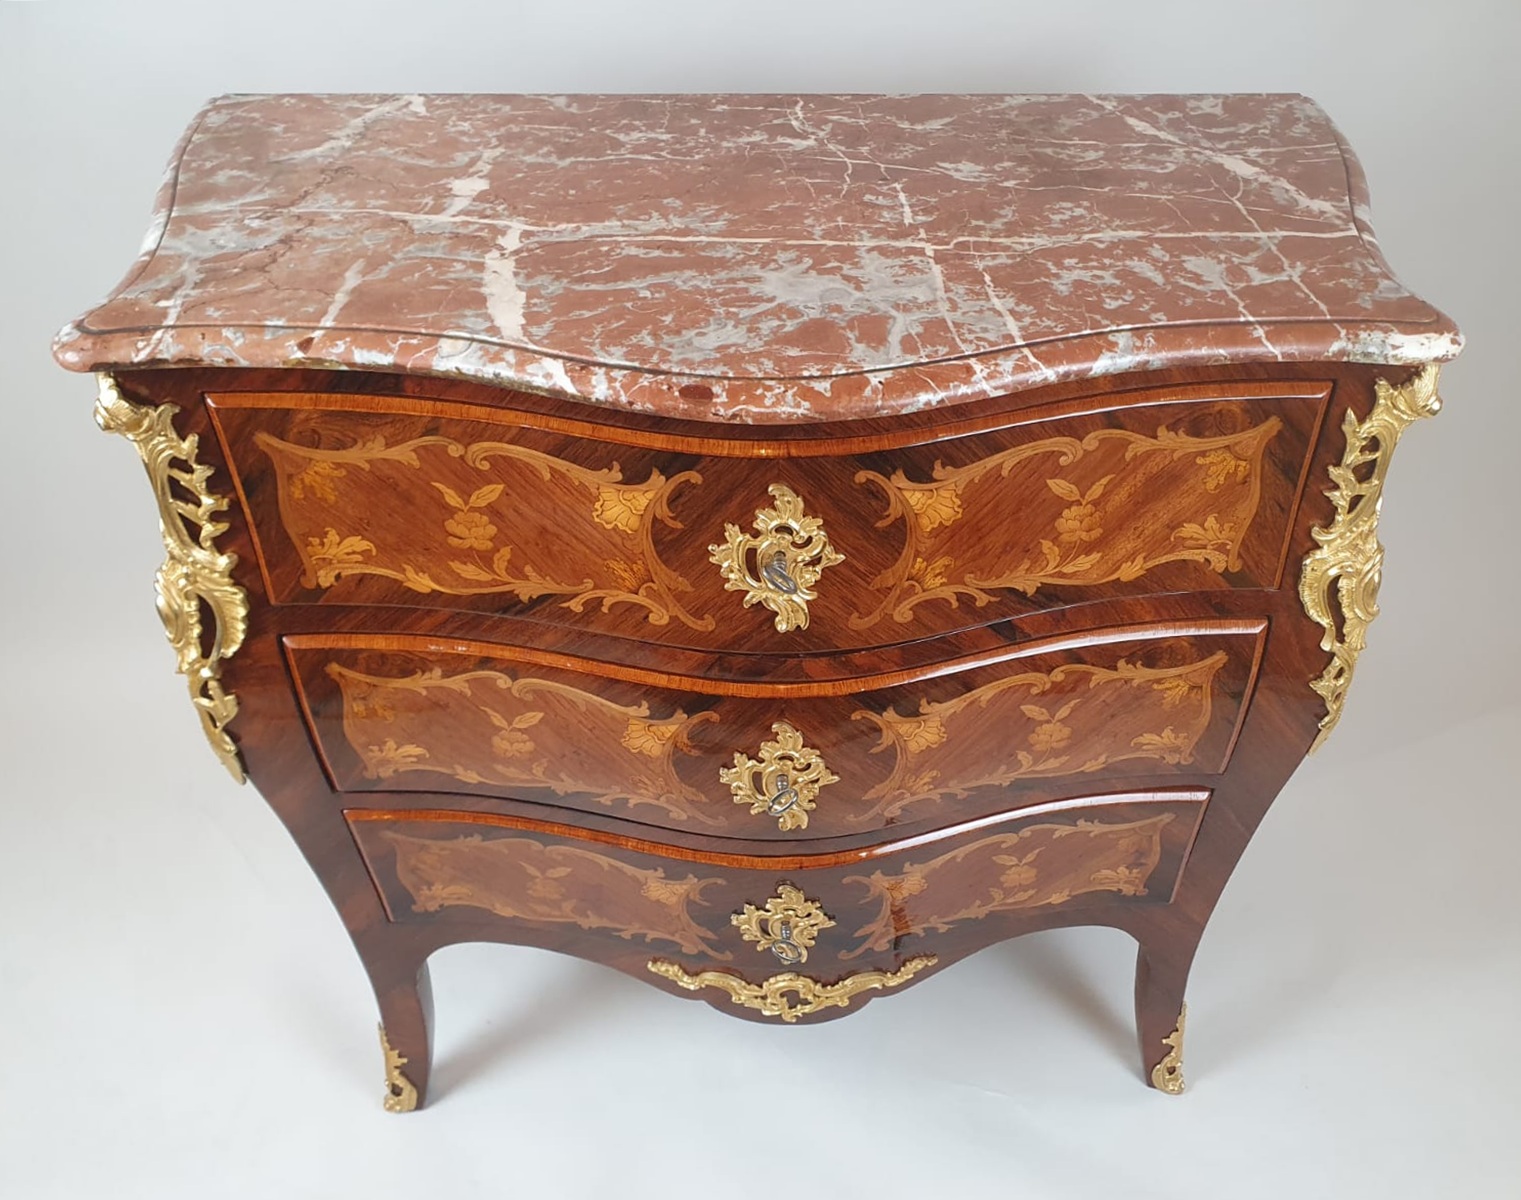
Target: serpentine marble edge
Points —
{"points": [[759, 258]]}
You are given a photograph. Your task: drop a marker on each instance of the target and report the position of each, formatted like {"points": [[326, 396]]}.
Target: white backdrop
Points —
{"points": [[183, 1016]]}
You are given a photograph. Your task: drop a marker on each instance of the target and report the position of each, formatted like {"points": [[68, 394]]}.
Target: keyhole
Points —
{"points": [[774, 573], [786, 950]]}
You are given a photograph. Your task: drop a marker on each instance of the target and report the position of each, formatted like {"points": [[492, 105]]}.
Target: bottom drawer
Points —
{"points": [[725, 923]]}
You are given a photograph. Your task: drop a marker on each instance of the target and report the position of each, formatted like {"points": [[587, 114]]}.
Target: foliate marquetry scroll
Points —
{"points": [[523, 879], [787, 926], [196, 576], [486, 727], [1348, 556], [1072, 720], [1167, 1075], [1109, 507], [784, 782], [772, 998], [1037, 866], [781, 563], [401, 1096], [480, 519]]}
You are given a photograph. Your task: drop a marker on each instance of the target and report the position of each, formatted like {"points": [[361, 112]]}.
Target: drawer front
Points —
{"points": [[822, 915], [761, 547], [786, 761]]}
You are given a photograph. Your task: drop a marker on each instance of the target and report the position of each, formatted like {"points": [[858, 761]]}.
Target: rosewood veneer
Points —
{"points": [[774, 546]]}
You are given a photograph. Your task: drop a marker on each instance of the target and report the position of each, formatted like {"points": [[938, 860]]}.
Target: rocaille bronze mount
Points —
{"points": [[765, 583]]}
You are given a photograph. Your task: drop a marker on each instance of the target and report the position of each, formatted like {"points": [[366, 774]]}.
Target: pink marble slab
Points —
{"points": [[759, 258]]}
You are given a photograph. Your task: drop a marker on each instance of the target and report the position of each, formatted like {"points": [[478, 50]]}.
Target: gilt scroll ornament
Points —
{"points": [[781, 563], [1167, 1075], [784, 782], [401, 1096], [196, 576], [771, 998], [787, 926], [1348, 556]]}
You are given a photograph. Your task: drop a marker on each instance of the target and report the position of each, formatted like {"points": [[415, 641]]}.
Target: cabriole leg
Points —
{"points": [[405, 997]]}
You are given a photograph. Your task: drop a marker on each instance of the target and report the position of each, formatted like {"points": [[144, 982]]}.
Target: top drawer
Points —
{"points": [[797, 545]]}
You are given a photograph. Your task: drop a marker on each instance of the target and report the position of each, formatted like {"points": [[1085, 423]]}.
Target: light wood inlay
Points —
{"points": [[1070, 721], [467, 513], [487, 727], [755, 856], [1110, 506], [468, 429], [393, 715], [527, 880], [1038, 866]]}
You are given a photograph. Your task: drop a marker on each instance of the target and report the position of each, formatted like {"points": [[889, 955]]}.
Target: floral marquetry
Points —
{"points": [[1039, 866], [701, 534], [1073, 720], [529, 880], [468, 501], [1110, 506], [491, 728]]}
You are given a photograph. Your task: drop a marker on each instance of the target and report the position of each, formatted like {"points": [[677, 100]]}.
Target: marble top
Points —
{"points": [[759, 258]]}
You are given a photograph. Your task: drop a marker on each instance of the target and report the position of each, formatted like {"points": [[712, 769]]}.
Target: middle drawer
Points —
{"points": [[818, 759]]}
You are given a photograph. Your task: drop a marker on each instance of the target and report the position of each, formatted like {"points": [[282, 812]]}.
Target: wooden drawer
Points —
{"points": [[394, 501], [826, 758], [601, 560], [828, 916]]}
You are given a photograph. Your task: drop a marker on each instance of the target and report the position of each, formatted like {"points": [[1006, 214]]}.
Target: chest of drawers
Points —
{"points": [[771, 546]]}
